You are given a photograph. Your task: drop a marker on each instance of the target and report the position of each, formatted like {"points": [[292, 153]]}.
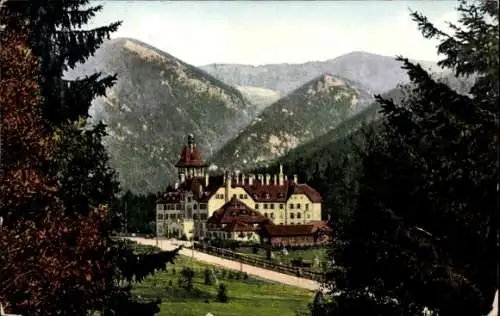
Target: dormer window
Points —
{"points": [[268, 196]]}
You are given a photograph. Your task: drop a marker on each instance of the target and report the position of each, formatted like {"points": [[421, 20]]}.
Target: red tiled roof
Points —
{"points": [[312, 194], [278, 193], [194, 185], [235, 210], [237, 226], [171, 197], [190, 157], [293, 230]]}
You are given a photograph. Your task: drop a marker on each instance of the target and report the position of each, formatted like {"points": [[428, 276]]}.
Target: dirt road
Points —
{"points": [[233, 265]]}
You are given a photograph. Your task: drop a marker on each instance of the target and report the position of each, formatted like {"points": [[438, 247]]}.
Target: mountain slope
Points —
{"points": [[260, 97], [307, 113], [378, 73], [156, 101]]}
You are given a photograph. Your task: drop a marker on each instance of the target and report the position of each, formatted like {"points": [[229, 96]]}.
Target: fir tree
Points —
{"points": [[58, 37], [422, 235], [79, 166], [222, 294], [318, 307]]}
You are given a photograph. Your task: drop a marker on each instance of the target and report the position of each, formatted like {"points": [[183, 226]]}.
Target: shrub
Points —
{"points": [[222, 294], [208, 276], [186, 279]]}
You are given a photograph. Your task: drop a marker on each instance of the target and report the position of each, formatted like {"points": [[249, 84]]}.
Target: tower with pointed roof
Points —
{"points": [[191, 163]]}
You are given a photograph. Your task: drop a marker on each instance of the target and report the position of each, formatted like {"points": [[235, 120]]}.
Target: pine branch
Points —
{"points": [[76, 46]]}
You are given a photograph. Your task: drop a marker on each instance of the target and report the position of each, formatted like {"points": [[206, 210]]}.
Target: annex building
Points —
{"points": [[236, 206]]}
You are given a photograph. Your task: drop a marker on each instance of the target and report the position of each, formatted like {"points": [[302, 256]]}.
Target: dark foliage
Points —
{"points": [[423, 234], [222, 294]]}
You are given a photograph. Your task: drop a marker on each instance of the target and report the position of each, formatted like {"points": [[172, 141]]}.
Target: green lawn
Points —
{"points": [[249, 296]]}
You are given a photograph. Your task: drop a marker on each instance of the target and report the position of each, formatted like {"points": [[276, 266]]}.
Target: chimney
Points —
{"points": [[295, 179], [176, 185], [228, 187], [236, 176], [275, 180], [281, 176], [286, 178], [183, 178], [206, 179], [250, 179], [268, 179], [260, 178]]}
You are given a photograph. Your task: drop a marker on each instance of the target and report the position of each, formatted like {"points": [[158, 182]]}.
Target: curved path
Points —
{"points": [[233, 265]]}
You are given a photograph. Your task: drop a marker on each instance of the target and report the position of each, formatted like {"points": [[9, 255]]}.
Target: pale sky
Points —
{"points": [[262, 32]]}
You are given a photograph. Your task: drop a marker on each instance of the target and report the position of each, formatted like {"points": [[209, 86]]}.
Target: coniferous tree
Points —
{"points": [[423, 233], [60, 41], [222, 294], [318, 307], [79, 167]]}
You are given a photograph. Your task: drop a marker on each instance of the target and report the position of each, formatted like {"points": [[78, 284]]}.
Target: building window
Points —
{"points": [[195, 206], [298, 206], [291, 206], [298, 215], [265, 206], [307, 207], [281, 206], [308, 215], [189, 199], [292, 215], [203, 206], [256, 206], [291, 223], [234, 195], [159, 207], [272, 215], [222, 196], [241, 197], [160, 216], [271, 206], [172, 216], [245, 196], [195, 216], [265, 214], [281, 223]]}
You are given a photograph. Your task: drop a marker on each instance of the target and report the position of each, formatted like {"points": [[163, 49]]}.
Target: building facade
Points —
{"points": [[185, 208]]}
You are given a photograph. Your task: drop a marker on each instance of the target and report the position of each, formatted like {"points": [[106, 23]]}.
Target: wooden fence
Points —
{"points": [[248, 259]]}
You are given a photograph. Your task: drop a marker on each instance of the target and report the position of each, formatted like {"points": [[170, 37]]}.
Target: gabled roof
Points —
{"points": [[303, 188], [238, 226], [237, 211], [294, 230], [194, 185]]}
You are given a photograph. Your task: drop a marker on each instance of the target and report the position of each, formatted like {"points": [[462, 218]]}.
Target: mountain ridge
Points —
{"points": [[377, 72], [156, 101], [308, 112]]}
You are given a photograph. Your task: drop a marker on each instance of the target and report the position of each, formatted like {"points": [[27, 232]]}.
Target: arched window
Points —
{"points": [[298, 215]]}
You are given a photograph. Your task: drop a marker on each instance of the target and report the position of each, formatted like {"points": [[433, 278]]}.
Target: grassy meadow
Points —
{"points": [[247, 295]]}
